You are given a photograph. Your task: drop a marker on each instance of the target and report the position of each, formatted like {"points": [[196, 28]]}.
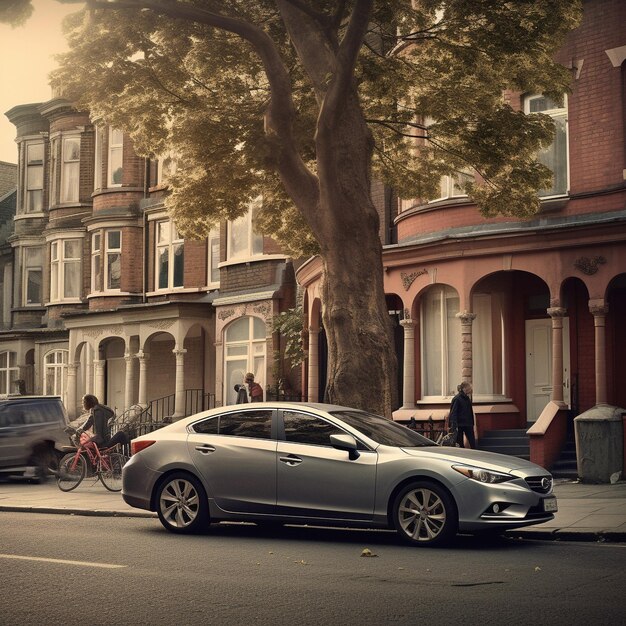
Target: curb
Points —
{"points": [[85, 512], [538, 535]]}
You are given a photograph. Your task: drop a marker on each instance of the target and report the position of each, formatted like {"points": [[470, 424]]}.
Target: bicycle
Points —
{"points": [[106, 465]]}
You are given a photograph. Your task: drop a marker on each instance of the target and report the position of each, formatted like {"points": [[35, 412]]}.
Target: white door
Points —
{"points": [[539, 365], [116, 382]]}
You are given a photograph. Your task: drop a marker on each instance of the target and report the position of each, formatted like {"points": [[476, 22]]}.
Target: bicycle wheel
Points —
{"points": [[111, 470], [71, 471]]}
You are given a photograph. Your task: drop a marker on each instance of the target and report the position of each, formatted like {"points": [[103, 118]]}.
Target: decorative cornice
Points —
{"points": [[557, 311], [408, 279], [589, 266]]}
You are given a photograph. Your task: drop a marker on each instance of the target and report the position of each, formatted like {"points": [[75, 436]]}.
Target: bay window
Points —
{"points": [[34, 178], [9, 371], [65, 269], [213, 243], [555, 156], [116, 157], [70, 169], [113, 267], [243, 242], [32, 272], [170, 256]]}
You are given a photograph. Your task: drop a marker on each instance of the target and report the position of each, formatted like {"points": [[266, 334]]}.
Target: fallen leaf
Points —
{"points": [[537, 569], [367, 552]]}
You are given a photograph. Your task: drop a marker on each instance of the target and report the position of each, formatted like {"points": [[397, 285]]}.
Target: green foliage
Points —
{"points": [[289, 324], [15, 12], [203, 92]]}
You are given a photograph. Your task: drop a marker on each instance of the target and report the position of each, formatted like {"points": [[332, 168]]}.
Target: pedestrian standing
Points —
{"points": [[461, 417], [254, 389]]}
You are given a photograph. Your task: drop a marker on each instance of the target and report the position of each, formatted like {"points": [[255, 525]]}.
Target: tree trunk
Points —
{"points": [[362, 363]]}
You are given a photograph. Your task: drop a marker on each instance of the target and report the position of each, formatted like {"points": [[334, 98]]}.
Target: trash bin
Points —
{"points": [[599, 443]]}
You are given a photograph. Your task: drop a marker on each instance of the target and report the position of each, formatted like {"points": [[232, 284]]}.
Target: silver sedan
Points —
{"points": [[323, 464]]}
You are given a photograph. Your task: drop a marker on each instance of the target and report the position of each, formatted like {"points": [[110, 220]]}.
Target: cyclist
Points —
{"points": [[98, 420]]}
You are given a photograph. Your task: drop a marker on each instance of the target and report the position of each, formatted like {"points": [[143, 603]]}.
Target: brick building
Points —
{"points": [[103, 296], [531, 311]]}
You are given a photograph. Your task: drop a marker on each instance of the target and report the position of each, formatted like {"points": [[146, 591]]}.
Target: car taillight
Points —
{"points": [[139, 445]]}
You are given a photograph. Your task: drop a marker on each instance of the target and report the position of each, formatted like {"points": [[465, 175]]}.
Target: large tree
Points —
{"points": [[302, 102]]}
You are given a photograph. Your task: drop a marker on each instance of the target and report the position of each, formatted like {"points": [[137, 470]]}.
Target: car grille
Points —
{"points": [[540, 484]]}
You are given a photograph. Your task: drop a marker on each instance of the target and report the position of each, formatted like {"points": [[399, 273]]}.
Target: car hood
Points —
{"points": [[480, 458]]}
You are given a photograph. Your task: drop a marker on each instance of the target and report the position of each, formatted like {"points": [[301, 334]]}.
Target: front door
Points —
{"points": [[539, 366]]}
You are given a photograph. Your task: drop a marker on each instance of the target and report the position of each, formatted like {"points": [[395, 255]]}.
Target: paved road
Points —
{"points": [[55, 569]]}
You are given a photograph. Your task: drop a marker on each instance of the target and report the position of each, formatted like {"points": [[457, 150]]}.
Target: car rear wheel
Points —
{"points": [[425, 514], [182, 505]]}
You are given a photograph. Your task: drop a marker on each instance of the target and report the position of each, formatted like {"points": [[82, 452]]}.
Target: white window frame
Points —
{"points": [[557, 114], [213, 245], [449, 353], [27, 270], [70, 170], [169, 244], [252, 350], [114, 149], [167, 165], [58, 368], [253, 246], [54, 159], [97, 171], [8, 373], [96, 257], [29, 167], [108, 253], [58, 263], [450, 187]]}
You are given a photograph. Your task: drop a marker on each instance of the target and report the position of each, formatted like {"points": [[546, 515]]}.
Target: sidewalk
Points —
{"points": [[586, 512]]}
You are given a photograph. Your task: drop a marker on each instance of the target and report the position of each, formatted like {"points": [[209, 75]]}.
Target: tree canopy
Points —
{"points": [[180, 80], [302, 102]]}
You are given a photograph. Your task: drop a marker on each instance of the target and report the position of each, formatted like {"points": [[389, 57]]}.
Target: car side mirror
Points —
{"points": [[347, 443]]}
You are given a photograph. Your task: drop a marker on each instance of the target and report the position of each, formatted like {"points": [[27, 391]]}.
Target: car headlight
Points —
{"points": [[482, 475]]}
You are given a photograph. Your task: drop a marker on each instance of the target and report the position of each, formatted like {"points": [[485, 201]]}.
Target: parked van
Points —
{"points": [[31, 435]]}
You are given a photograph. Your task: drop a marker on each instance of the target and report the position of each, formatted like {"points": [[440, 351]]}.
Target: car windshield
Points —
{"points": [[383, 430]]}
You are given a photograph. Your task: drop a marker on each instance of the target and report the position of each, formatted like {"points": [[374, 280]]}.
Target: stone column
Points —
{"points": [[143, 378], [129, 382], [99, 390], [70, 399], [557, 314], [466, 345], [88, 355], [599, 310], [179, 400], [314, 366], [408, 378]]}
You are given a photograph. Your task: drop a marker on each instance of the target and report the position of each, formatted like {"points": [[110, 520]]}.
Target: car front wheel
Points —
{"points": [[182, 505], [425, 514]]}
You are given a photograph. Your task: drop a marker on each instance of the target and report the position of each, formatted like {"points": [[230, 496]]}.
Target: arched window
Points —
{"points": [[9, 372], [244, 351], [441, 342], [55, 372]]}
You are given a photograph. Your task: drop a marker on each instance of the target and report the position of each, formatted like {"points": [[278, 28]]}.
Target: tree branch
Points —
{"points": [[280, 113]]}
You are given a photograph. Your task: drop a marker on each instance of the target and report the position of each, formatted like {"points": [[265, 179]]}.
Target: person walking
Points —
{"points": [[461, 417]]}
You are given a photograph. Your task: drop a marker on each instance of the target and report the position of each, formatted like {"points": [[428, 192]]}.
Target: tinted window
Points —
{"points": [[254, 424], [302, 428], [208, 427], [383, 430]]}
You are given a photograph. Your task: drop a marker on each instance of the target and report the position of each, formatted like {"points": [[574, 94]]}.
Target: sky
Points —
{"points": [[25, 62]]}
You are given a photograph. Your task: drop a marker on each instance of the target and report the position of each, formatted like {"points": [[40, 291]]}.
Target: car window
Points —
{"points": [[256, 424], [383, 430], [11, 415], [309, 429]]}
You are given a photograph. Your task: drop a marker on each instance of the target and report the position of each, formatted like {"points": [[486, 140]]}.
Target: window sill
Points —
{"points": [[26, 216], [174, 291], [252, 259], [110, 294], [65, 301]]}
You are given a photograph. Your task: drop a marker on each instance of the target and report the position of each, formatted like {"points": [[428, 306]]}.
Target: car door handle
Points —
{"points": [[290, 460], [205, 448]]}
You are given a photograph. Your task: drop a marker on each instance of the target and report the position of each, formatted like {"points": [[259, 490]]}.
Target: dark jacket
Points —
{"points": [[461, 412], [98, 419], [242, 395]]}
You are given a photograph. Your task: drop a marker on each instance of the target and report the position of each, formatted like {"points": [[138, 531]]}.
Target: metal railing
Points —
{"points": [[430, 428]]}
